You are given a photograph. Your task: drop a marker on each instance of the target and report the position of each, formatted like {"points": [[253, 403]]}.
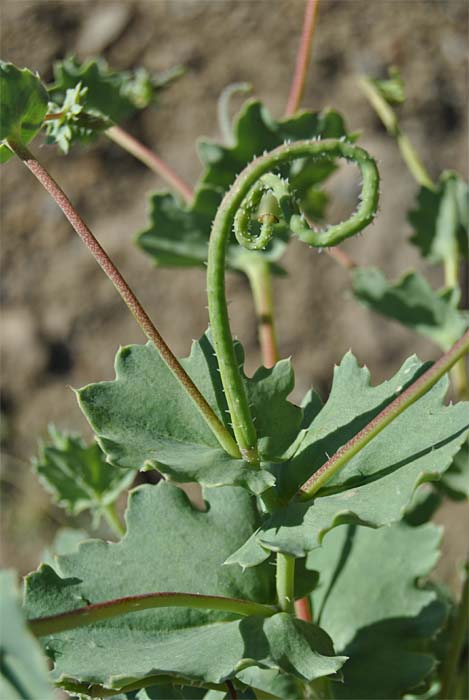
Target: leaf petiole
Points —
{"points": [[420, 387], [224, 437], [130, 144], [91, 614]]}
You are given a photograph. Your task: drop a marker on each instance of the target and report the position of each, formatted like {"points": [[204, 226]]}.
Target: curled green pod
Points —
{"points": [[237, 209]]}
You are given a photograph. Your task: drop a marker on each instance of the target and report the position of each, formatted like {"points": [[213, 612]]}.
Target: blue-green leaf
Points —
{"points": [[23, 105], [77, 475], [171, 546], [378, 483], [145, 418], [23, 667], [441, 219], [412, 302], [373, 605]]}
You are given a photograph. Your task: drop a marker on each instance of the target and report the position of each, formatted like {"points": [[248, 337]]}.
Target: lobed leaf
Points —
{"points": [[77, 475], [412, 302], [23, 668], [23, 105], [166, 549], [66, 541], [441, 219], [72, 123], [378, 483], [370, 600], [115, 95], [178, 235], [146, 419]]}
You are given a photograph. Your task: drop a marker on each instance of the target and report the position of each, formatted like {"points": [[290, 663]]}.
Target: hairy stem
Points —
{"points": [[91, 614], [302, 59], [285, 581], [260, 279], [233, 385], [150, 159], [128, 296], [391, 122], [420, 387], [459, 632], [112, 517]]}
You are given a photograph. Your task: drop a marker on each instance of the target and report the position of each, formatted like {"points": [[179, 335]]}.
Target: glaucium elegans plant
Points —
{"points": [[305, 576]]}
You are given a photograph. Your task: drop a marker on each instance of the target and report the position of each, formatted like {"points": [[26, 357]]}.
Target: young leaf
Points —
{"points": [[377, 484], [72, 122], [77, 475], [371, 603], [441, 219], [144, 418], [170, 546], [115, 95], [23, 105], [23, 668], [178, 235], [412, 302]]}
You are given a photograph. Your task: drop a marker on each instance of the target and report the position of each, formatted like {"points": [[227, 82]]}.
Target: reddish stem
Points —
{"points": [[341, 257], [302, 59], [126, 294], [303, 609], [151, 160], [420, 387]]}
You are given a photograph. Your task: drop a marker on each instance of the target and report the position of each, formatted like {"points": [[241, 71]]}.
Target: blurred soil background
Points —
{"points": [[62, 321]]}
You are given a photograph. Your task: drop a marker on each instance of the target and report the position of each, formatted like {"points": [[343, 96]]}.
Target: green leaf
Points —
{"points": [[115, 95], [378, 483], [72, 123], [412, 302], [455, 481], [77, 475], [441, 219], [145, 418], [66, 541], [171, 546], [178, 235], [391, 89], [23, 668], [23, 105], [371, 603]]}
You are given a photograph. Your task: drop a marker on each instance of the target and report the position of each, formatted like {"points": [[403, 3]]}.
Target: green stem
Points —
{"points": [[459, 632], [91, 614], [218, 312], [112, 517], [303, 57], [128, 296], [285, 582], [260, 279], [391, 122], [150, 159], [420, 387], [98, 691], [223, 110], [458, 372]]}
